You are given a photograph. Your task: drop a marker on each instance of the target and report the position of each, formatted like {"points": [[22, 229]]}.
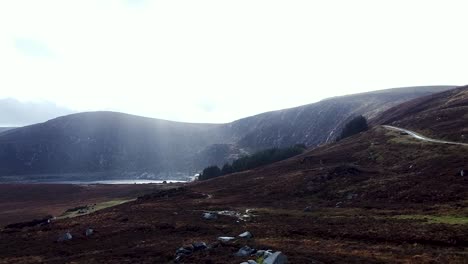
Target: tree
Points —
{"points": [[253, 161], [357, 125], [227, 168], [210, 172]]}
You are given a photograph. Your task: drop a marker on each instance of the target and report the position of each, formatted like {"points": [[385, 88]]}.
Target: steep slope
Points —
{"points": [[443, 115], [320, 122], [111, 145], [377, 197]]}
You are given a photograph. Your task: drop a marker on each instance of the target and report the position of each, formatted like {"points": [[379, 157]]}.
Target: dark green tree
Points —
{"points": [[210, 172], [227, 168], [354, 126]]}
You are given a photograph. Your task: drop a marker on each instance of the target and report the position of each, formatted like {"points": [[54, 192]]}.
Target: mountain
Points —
{"points": [[3, 129], [113, 145], [380, 196]]}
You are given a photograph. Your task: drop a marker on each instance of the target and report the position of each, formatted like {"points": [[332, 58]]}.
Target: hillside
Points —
{"points": [[377, 197], [112, 145], [104, 142], [442, 115], [3, 129]]}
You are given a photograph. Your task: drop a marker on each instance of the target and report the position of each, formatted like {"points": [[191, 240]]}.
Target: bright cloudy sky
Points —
{"points": [[216, 61]]}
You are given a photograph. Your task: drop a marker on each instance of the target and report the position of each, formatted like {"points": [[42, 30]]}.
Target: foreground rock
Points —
{"points": [[276, 258]]}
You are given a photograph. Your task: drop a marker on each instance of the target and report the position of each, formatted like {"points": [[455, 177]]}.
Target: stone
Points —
{"points": [[226, 239], [251, 261], [276, 258], [65, 237], [308, 209], [246, 235], [199, 246], [89, 232], [462, 173], [244, 251], [183, 252], [210, 216]]}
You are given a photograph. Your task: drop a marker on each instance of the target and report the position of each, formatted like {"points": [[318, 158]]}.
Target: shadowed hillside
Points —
{"points": [[443, 115]]}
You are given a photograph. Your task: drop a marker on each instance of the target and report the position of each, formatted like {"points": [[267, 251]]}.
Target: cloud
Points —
{"points": [[162, 58], [135, 3], [33, 48], [16, 113]]}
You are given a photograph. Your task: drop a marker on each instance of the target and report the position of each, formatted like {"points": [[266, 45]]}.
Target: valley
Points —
{"points": [[380, 196]]}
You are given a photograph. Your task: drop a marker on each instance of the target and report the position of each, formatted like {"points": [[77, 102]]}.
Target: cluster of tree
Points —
{"points": [[354, 126], [255, 160]]}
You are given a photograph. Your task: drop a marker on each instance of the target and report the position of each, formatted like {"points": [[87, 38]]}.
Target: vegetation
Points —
{"points": [[432, 219], [356, 125], [255, 160]]}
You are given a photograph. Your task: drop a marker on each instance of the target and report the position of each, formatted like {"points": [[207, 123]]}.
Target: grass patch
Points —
{"points": [[432, 219], [87, 209]]}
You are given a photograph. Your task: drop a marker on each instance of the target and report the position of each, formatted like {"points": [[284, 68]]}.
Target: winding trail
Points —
{"points": [[423, 138]]}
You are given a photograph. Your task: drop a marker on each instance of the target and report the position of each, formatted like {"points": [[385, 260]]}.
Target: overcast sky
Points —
{"points": [[216, 61]]}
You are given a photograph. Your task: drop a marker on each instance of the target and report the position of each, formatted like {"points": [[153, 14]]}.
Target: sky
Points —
{"points": [[217, 61]]}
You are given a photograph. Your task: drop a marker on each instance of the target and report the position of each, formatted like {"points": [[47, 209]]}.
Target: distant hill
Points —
{"points": [[3, 129], [111, 145]]}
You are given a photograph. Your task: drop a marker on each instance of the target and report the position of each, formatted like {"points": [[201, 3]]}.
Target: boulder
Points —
{"points": [[199, 246], [246, 234], [183, 252], [210, 216], [244, 251], [65, 237], [276, 258], [89, 232], [226, 239]]}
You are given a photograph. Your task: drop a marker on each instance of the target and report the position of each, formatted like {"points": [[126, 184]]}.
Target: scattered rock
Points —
{"points": [[250, 262], [65, 237], [184, 251], [338, 204], [246, 235], [89, 232], [244, 251], [226, 239], [199, 246], [210, 216], [276, 258], [308, 209]]}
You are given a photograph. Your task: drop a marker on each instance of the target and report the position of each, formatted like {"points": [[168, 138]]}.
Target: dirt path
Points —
{"points": [[421, 137]]}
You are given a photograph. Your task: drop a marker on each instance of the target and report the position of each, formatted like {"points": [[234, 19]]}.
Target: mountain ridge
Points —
{"points": [[126, 145]]}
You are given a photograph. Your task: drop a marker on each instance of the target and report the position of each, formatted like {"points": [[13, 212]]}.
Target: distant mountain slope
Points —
{"points": [[103, 142], [320, 122], [3, 129], [121, 145], [442, 115]]}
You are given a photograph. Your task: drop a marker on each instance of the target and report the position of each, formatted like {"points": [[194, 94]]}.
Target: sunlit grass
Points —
{"points": [[432, 219], [84, 210]]}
